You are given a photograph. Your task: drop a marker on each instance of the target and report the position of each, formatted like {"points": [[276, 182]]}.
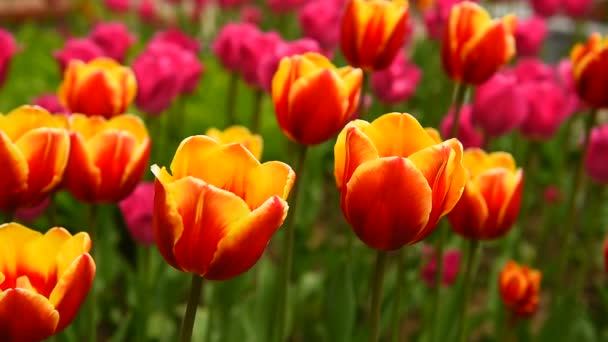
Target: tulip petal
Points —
{"points": [[26, 316], [340, 151], [359, 149], [14, 172], [135, 169], [498, 186], [376, 207], [96, 94], [592, 75], [246, 240], [167, 223], [469, 216], [13, 237], [267, 180], [72, 289], [130, 123], [509, 212], [26, 118], [74, 247]]}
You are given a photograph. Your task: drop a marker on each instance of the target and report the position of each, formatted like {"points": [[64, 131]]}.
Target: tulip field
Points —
{"points": [[303, 170]]}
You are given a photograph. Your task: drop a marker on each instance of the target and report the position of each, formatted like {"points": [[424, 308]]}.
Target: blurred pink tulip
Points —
{"points": [[227, 45], [137, 210], [158, 79], [186, 64], [225, 4], [118, 6], [179, 38], [565, 78], [533, 69], [398, 82], [546, 8], [596, 156], [320, 20], [451, 265], [114, 39], [8, 48], [285, 5], [83, 49], [51, 103], [530, 35], [252, 50], [577, 8], [547, 109], [251, 14], [499, 105], [147, 11], [467, 134], [269, 61]]}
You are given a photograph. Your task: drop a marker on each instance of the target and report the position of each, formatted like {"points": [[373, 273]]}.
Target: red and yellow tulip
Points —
{"points": [[519, 288], [241, 135], [396, 181], [44, 279], [590, 68], [492, 197], [101, 87], [373, 31], [474, 46], [107, 157], [217, 212], [34, 149], [313, 99]]}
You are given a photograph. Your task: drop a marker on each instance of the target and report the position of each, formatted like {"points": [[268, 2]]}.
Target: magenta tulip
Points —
{"points": [[398, 82], [596, 156], [114, 39]]}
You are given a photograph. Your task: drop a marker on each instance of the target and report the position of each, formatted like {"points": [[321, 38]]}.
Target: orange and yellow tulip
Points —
{"points": [[474, 46], [313, 99], [373, 31], [100, 87], [217, 212], [43, 281], [491, 199], [519, 288], [241, 135], [107, 157], [396, 181], [34, 149], [590, 69]]}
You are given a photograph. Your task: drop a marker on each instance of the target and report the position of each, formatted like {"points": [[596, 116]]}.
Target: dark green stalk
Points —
{"points": [[467, 289], [193, 300], [377, 281]]}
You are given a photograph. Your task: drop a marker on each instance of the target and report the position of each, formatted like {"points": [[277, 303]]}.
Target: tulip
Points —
{"points": [[596, 158], [451, 265], [565, 78], [285, 5], [185, 64], [179, 38], [590, 69], [137, 210], [492, 196], [34, 148], [118, 6], [546, 8], [532, 69], [313, 99], [227, 45], [547, 109], [100, 87], [238, 134], [499, 105], [530, 36], [107, 157], [474, 46], [215, 215], [468, 135], [251, 14], [373, 32], [226, 4], [394, 190], [8, 48], [114, 38], [320, 20], [577, 8], [435, 18], [44, 279], [82, 49], [51, 103], [519, 288], [252, 50], [159, 80], [397, 82]]}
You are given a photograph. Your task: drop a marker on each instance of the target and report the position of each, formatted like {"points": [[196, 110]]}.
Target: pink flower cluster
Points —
{"points": [[397, 82], [8, 48], [596, 158], [451, 265], [320, 20], [530, 35], [168, 67], [572, 8]]}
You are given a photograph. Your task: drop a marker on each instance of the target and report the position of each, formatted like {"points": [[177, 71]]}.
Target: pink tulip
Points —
{"points": [[8, 48], [78, 49], [285, 5], [596, 156], [253, 49], [186, 64], [51, 103], [398, 82], [546, 8], [158, 80], [251, 14], [565, 78], [114, 38], [320, 20], [451, 265], [137, 212], [147, 11], [179, 38], [225, 4], [269, 61], [547, 109], [532, 69], [118, 6], [577, 8], [227, 45], [467, 134], [530, 36], [499, 105]]}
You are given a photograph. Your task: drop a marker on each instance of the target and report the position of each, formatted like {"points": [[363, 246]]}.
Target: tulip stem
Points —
{"points": [[576, 195], [287, 259], [467, 288], [193, 300], [443, 232], [460, 92], [93, 209], [258, 98], [233, 87], [397, 299], [377, 281]]}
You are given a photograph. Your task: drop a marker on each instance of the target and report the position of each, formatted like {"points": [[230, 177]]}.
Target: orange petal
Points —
{"points": [[509, 213], [135, 169], [497, 186], [593, 75], [267, 180], [340, 150], [130, 123], [469, 215], [583, 51], [82, 177], [359, 149], [246, 240], [26, 118], [388, 202], [14, 173], [13, 237], [96, 95], [72, 289], [241, 135], [86, 126], [74, 247], [26, 316]]}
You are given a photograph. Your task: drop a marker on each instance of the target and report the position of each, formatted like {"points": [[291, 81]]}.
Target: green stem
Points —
{"points": [[467, 288], [92, 222], [193, 299], [208, 333], [144, 293], [460, 92], [576, 194], [398, 290], [287, 258], [233, 84], [374, 318], [258, 98], [443, 232]]}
